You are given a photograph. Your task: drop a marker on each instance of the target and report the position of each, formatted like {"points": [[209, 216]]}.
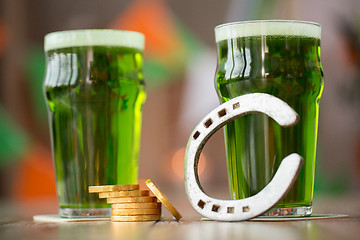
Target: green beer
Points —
{"points": [[281, 58], [94, 89]]}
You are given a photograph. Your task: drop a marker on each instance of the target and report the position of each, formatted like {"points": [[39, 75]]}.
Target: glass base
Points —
{"points": [[289, 212], [84, 212]]}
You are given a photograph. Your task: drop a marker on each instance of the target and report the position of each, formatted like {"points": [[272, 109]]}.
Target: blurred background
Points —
{"points": [[180, 59]]}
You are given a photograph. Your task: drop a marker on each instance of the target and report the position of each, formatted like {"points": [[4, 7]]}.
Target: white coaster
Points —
{"points": [[57, 218], [312, 217], [283, 219]]}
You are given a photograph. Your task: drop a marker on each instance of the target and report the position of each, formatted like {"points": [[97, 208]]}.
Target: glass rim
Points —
{"points": [[267, 27], [94, 37]]}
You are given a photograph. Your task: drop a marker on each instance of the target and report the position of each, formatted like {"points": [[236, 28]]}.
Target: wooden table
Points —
{"points": [[17, 223]]}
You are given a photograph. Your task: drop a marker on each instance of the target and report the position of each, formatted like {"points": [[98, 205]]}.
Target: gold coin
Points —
{"points": [[135, 212], [111, 188], [139, 218], [132, 193], [163, 199], [132, 199], [147, 205]]}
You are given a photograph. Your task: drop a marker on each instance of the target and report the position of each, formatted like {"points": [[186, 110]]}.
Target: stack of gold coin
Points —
{"points": [[129, 203]]}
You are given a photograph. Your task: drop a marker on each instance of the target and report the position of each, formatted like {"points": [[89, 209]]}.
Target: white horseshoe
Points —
{"points": [[247, 208]]}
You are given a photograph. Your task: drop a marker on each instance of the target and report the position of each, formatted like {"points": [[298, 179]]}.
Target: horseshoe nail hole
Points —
{"points": [[215, 208], [196, 135], [208, 123], [230, 210], [236, 105], [222, 112], [201, 204], [246, 209]]}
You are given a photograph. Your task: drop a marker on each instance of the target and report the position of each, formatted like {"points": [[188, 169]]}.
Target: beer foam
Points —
{"points": [[94, 37], [271, 27]]}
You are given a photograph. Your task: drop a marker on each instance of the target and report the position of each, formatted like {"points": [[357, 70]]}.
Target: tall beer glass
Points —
{"points": [[94, 89], [281, 58]]}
